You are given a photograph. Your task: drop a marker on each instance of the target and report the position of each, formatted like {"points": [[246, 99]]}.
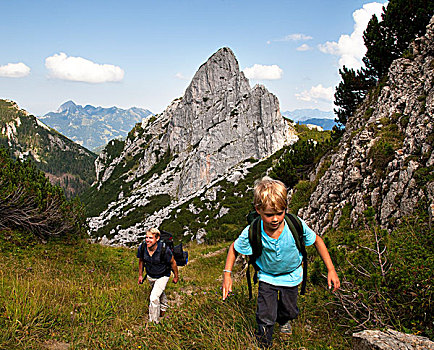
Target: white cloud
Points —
{"points": [[260, 72], [293, 37], [14, 70], [303, 47], [351, 48], [180, 76], [316, 94], [63, 67]]}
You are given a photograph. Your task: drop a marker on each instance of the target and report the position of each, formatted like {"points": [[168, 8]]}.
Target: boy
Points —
{"points": [[280, 270]]}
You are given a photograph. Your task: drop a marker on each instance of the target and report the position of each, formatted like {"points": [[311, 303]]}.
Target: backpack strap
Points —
{"points": [[142, 256], [255, 241], [163, 251], [296, 228]]}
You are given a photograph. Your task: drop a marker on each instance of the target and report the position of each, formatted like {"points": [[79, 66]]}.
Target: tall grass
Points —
{"points": [[84, 296]]}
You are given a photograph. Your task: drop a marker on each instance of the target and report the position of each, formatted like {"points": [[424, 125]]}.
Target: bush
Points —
{"points": [[31, 204], [381, 153], [300, 158], [385, 278]]}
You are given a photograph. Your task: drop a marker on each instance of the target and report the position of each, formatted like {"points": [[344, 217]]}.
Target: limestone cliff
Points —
{"points": [[218, 123], [385, 160]]}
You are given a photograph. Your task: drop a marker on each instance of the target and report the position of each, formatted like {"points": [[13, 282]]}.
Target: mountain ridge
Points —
{"points": [[27, 138], [384, 164], [93, 127], [307, 113]]}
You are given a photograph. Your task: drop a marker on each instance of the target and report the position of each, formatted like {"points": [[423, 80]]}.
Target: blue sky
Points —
{"points": [[144, 53]]}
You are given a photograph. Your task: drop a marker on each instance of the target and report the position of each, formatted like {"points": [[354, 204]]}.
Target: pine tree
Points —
{"points": [[402, 21], [386, 40], [350, 92]]}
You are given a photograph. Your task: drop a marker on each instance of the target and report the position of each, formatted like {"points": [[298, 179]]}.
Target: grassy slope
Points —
{"points": [[87, 296]]}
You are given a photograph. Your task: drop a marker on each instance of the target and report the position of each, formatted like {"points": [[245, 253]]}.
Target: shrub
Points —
{"points": [[385, 278], [381, 153], [31, 204]]}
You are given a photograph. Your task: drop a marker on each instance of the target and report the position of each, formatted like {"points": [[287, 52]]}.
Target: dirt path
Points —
{"points": [[209, 255], [177, 297]]}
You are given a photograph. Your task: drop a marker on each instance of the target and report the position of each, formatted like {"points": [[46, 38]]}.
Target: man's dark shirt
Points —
{"points": [[155, 267]]}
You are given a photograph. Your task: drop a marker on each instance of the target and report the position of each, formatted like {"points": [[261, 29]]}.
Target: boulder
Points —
{"points": [[389, 340]]}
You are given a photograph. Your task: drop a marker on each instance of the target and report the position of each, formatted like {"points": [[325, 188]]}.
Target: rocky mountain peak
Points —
{"points": [[67, 106], [221, 71], [219, 123]]}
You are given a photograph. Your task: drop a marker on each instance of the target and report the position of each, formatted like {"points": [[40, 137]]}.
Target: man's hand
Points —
{"points": [[175, 279], [141, 279]]}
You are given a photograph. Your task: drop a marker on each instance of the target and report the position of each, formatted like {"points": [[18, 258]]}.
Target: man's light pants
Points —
{"points": [[158, 299]]}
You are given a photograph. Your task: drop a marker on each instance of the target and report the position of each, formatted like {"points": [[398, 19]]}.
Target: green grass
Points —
{"points": [[87, 296]]}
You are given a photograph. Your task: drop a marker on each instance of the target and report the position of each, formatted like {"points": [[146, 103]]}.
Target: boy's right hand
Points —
{"points": [[227, 284], [141, 279]]}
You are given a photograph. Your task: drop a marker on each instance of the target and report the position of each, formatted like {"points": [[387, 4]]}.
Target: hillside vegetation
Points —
{"points": [[69, 294], [66, 164], [75, 295], [30, 204]]}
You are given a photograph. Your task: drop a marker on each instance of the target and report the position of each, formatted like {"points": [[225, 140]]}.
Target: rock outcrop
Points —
{"points": [[218, 123], [385, 159], [388, 340]]}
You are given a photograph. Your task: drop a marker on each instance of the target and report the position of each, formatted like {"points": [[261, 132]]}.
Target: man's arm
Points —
{"points": [[227, 278], [332, 276], [141, 265], [174, 269]]}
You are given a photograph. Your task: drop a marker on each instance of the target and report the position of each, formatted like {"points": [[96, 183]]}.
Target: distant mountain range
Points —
{"points": [[312, 116], [93, 127], [304, 114], [326, 124]]}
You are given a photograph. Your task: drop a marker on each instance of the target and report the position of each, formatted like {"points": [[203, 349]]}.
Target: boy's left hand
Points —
{"points": [[332, 277]]}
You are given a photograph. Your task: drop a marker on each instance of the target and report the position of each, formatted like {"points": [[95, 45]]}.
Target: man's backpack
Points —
{"points": [[166, 238], [296, 228], [181, 257]]}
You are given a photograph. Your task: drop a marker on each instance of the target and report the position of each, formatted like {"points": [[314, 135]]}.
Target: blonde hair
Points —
{"points": [[154, 231], [269, 193]]}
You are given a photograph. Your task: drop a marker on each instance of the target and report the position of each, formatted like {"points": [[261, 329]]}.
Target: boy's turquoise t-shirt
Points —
{"points": [[278, 255]]}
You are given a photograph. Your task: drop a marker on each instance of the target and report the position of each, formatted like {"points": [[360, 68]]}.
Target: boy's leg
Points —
{"points": [[266, 312], [158, 286], [287, 304]]}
